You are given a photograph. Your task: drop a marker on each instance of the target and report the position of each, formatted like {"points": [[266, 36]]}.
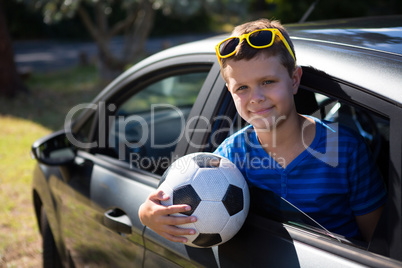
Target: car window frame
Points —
{"points": [[354, 95], [88, 116], [209, 102], [145, 76], [373, 102]]}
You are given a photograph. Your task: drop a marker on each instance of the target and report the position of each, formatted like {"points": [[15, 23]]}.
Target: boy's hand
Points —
{"points": [[156, 216]]}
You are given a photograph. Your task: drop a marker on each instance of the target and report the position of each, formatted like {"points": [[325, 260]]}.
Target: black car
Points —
{"points": [[92, 176]]}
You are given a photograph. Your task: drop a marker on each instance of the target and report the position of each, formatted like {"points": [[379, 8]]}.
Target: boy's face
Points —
{"points": [[262, 90]]}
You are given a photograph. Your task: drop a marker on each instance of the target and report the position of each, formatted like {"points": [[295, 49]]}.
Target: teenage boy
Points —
{"points": [[345, 194]]}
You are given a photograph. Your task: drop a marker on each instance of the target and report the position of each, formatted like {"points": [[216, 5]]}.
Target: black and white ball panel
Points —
{"points": [[186, 194], [207, 160], [216, 191]]}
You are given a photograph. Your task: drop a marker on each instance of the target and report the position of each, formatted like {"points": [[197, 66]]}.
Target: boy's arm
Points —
{"points": [[157, 217], [368, 222]]}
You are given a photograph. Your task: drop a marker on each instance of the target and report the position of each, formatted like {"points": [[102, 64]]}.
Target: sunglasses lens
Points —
{"points": [[260, 38], [228, 47]]}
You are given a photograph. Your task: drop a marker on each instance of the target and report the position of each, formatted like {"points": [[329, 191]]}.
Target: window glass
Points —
{"points": [[371, 127], [180, 91], [148, 125]]}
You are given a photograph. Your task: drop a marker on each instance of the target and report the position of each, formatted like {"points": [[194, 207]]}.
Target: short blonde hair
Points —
{"points": [[246, 52]]}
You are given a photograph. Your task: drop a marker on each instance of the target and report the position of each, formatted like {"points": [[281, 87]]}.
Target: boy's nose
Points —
{"points": [[257, 95]]}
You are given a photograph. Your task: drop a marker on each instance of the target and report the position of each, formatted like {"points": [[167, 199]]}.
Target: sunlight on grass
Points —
{"points": [[17, 221], [24, 119], [15, 142]]}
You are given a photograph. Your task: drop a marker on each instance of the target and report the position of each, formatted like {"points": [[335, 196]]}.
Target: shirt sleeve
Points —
{"points": [[233, 148]]}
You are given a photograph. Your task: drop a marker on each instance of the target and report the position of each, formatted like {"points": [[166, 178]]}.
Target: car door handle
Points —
{"points": [[118, 221]]}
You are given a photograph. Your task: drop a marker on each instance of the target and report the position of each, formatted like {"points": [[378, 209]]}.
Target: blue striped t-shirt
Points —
{"points": [[333, 180]]}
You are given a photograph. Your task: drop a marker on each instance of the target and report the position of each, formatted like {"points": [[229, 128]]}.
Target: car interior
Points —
{"points": [[372, 127]]}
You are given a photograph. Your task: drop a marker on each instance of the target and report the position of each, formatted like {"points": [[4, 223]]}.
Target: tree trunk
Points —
{"points": [[136, 28], [137, 35], [10, 82]]}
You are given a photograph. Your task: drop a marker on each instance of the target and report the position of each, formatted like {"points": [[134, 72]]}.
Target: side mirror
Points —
{"points": [[54, 149]]}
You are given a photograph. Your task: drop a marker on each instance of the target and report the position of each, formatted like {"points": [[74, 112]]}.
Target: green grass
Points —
{"points": [[18, 229], [23, 120]]}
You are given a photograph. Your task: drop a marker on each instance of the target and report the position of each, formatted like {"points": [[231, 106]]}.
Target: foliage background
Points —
{"points": [[19, 15]]}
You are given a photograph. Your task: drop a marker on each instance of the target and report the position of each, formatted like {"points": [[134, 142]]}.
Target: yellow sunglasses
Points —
{"points": [[261, 38]]}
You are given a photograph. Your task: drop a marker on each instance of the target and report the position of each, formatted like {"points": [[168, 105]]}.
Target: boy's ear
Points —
{"points": [[297, 74]]}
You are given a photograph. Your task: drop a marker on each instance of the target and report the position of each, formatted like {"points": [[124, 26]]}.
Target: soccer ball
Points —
{"points": [[216, 191]]}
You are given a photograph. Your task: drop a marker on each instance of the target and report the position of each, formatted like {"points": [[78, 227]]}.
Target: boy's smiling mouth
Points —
{"points": [[261, 111]]}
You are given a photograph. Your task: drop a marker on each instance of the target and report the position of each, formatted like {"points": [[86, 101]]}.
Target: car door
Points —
{"points": [[159, 251], [136, 128], [287, 241], [293, 239]]}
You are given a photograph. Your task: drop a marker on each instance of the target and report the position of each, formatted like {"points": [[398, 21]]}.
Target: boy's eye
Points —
{"points": [[241, 88], [267, 82]]}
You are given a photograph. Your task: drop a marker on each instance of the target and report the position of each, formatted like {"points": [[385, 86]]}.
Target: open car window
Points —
{"points": [[371, 126]]}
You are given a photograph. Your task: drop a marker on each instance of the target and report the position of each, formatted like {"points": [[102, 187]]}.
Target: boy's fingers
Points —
{"points": [[162, 195], [178, 220], [159, 195], [173, 238], [177, 209], [180, 231], [174, 233]]}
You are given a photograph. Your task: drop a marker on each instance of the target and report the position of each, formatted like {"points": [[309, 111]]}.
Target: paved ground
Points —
{"points": [[48, 55]]}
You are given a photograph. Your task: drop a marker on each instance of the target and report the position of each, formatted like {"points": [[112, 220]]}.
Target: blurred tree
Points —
{"points": [[135, 24], [134, 21], [291, 11], [10, 81]]}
